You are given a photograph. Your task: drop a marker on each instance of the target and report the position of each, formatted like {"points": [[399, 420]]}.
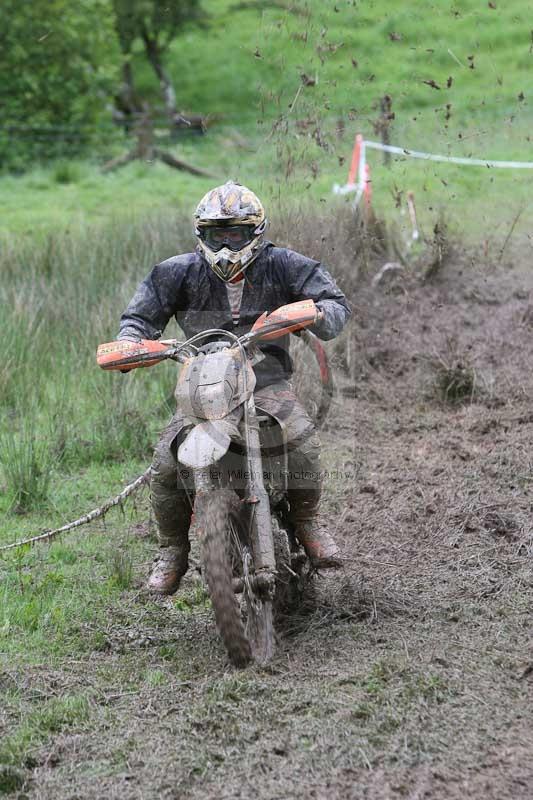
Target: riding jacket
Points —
{"points": [[185, 287]]}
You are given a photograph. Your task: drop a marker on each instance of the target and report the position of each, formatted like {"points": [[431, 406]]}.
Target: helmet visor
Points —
{"points": [[234, 237]]}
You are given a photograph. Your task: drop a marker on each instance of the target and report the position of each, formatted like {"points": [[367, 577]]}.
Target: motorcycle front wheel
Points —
{"points": [[228, 566]]}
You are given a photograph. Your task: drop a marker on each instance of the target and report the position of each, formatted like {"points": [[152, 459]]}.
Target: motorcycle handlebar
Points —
{"points": [[245, 340], [115, 355]]}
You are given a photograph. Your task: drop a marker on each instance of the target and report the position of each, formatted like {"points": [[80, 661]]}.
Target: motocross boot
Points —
{"points": [[320, 547], [172, 510], [168, 569], [322, 550]]}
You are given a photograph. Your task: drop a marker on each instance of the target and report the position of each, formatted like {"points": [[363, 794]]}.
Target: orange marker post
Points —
{"points": [[356, 157]]}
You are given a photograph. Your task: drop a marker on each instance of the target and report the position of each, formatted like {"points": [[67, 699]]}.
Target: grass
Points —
{"points": [[41, 615], [57, 302], [455, 382], [288, 139], [455, 378], [395, 49], [53, 716], [56, 603], [28, 463]]}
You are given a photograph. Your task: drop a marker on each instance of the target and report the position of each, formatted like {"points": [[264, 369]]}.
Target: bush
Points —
{"points": [[60, 62]]}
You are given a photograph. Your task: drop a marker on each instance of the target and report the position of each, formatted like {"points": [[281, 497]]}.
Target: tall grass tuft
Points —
{"points": [[456, 379], [59, 298], [121, 569], [27, 464]]}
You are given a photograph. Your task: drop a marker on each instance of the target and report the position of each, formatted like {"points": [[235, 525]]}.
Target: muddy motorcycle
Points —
{"points": [[250, 558]]}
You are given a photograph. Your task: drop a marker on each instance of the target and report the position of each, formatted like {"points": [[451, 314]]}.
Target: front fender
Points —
{"points": [[209, 441]]}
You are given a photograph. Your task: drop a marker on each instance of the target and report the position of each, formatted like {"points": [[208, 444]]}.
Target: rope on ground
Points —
{"points": [[96, 513]]}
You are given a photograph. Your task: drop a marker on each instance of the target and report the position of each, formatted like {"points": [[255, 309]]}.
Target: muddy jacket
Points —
{"points": [[186, 288]]}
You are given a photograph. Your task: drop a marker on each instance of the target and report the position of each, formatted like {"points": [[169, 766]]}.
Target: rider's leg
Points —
{"points": [[305, 482], [305, 487], [172, 511]]}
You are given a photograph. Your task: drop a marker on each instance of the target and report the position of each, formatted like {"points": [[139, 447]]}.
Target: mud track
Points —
{"points": [[411, 674]]}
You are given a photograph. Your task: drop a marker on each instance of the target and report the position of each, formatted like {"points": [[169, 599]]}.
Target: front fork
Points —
{"points": [[257, 497], [256, 500]]}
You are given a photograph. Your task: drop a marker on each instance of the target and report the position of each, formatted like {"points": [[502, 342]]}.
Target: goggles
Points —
{"points": [[234, 237]]}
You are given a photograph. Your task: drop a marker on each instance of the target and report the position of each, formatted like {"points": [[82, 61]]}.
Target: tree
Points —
{"points": [[156, 23], [58, 62]]}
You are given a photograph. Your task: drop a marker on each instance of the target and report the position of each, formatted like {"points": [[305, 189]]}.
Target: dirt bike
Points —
{"points": [[238, 460]]}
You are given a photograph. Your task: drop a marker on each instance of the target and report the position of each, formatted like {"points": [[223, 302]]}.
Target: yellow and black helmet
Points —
{"points": [[230, 222]]}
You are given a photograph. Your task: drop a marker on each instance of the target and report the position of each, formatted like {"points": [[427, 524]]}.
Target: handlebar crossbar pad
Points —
{"points": [[124, 355]]}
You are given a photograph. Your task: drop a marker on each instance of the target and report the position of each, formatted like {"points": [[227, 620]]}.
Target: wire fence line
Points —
{"points": [[182, 120], [78, 140]]}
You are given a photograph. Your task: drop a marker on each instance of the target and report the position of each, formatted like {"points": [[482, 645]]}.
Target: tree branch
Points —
{"points": [[92, 515], [168, 159]]}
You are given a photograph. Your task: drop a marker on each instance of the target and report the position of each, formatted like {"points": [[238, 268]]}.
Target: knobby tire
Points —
{"points": [[218, 514]]}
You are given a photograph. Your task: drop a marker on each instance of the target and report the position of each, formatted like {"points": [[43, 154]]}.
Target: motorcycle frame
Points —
{"points": [[256, 496]]}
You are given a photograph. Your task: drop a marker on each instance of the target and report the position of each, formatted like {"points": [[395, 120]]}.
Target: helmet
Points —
{"points": [[229, 223]]}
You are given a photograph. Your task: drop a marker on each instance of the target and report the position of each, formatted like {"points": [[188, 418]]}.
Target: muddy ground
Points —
{"points": [[412, 674]]}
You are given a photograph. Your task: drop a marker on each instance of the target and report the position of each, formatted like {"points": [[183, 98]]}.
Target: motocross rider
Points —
{"points": [[233, 276]]}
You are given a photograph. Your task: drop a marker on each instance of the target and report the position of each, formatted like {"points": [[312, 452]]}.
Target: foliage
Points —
{"points": [[155, 23], [156, 20], [58, 60]]}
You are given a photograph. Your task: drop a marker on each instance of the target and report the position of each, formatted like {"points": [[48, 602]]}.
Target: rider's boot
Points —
{"points": [[169, 567], [322, 550], [304, 499], [172, 511]]}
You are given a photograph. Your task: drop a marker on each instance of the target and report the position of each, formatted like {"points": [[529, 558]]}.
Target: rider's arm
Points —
{"points": [[156, 300], [309, 279]]}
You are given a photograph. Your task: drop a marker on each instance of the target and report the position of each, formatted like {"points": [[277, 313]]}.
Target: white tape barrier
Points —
{"points": [[474, 162], [359, 177]]}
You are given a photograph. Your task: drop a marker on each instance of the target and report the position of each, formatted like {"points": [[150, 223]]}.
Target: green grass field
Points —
{"points": [[289, 84]]}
